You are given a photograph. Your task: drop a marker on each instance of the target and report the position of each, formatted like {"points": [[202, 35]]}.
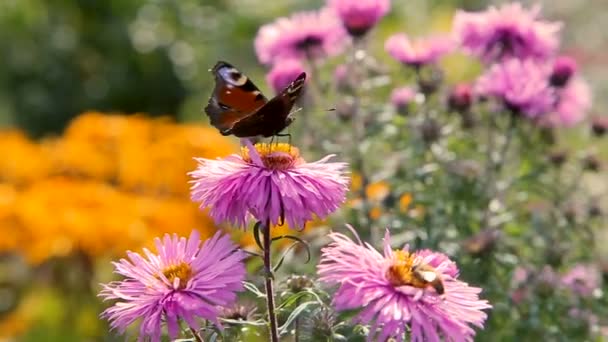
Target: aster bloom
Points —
{"points": [[417, 52], [573, 104], [359, 16], [182, 281], [582, 280], [284, 72], [508, 31], [401, 291], [313, 34], [270, 182], [523, 87]]}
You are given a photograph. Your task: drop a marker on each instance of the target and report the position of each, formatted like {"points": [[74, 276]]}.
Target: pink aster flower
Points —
{"points": [[313, 34], [401, 291], [284, 72], [508, 31], [184, 280], [418, 52], [573, 104], [358, 16], [582, 279], [523, 86], [270, 182]]}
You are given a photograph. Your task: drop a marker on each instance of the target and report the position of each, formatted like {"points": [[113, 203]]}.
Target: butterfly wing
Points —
{"points": [[234, 97], [272, 117]]}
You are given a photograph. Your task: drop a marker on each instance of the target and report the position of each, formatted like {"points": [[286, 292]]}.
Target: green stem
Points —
{"points": [[272, 318]]}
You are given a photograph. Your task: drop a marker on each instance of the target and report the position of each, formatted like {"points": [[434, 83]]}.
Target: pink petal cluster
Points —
{"points": [[510, 31], [582, 279], [284, 72], [361, 275], [418, 52], [303, 35], [182, 281], [270, 183], [359, 16], [573, 104], [522, 85], [401, 97]]}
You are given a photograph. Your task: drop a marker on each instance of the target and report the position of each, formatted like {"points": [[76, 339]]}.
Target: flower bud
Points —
{"points": [[460, 98], [563, 69], [599, 125], [401, 99]]}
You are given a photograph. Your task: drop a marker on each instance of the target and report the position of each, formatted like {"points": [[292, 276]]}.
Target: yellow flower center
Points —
{"points": [[279, 156], [406, 270], [183, 271], [400, 272]]}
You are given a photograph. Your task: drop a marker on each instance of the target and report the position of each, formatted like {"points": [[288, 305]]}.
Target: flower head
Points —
{"points": [[361, 15], [523, 87], [313, 34], [400, 289], [284, 72], [508, 31], [582, 279], [417, 52], [272, 182], [573, 103], [182, 281]]}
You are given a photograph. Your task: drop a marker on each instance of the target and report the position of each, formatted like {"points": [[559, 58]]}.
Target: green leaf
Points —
{"points": [[256, 234], [294, 314], [297, 241], [296, 296], [253, 289]]}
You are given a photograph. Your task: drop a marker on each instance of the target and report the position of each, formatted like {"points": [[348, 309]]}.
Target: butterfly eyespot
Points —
{"points": [[234, 77]]}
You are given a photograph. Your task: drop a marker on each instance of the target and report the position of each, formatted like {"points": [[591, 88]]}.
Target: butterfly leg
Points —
{"points": [[284, 135]]}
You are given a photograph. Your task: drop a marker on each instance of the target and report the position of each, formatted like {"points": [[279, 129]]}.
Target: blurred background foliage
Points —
{"points": [[62, 172], [63, 57]]}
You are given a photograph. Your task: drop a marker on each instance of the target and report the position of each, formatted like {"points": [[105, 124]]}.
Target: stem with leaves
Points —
{"points": [[358, 120], [494, 167]]}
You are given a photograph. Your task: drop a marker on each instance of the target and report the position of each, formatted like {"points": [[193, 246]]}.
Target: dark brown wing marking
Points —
{"points": [[272, 117], [234, 97]]}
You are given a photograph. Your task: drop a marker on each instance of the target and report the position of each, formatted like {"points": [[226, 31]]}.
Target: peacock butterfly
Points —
{"points": [[238, 107]]}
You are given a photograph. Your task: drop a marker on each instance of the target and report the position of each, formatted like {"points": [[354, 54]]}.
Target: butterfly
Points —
{"points": [[237, 107]]}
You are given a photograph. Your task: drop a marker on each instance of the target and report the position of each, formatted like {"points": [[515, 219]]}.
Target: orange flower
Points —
{"points": [[9, 228], [404, 202], [14, 325], [377, 191], [23, 161], [79, 158], [123, 182]]}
